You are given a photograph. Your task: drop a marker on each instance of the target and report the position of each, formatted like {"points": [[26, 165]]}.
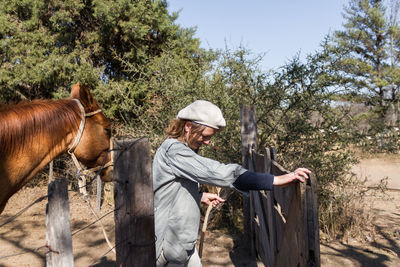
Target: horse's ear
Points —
{"points": [[81, 92]]}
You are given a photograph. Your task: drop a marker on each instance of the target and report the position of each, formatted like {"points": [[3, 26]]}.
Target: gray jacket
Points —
{"points": [[177, 172]]}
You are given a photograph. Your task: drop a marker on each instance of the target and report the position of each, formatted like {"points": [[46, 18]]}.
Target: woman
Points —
{"points": [[177, 172]]}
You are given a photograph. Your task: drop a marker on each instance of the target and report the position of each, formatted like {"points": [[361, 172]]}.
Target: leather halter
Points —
{"points": [[78, 138]]}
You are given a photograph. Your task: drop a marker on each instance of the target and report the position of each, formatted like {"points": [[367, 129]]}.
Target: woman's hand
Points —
{"points": [[209, 198], [300, 174]]}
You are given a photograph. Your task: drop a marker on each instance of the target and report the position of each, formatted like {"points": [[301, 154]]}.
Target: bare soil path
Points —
{"points": [[383, 250], [22, 241]]}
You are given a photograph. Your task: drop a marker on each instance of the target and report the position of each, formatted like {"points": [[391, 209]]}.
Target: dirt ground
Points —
{"points": [[22, 241]]}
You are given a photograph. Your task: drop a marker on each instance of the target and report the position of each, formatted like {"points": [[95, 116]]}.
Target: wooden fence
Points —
{"points": [[282, 224]]}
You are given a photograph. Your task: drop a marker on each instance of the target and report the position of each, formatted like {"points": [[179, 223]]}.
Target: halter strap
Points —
{"points": [[81, 126], [79, 136], [81, 171]]}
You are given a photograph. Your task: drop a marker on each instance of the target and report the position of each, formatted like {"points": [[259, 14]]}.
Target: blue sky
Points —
{"points": [[279, 28]]}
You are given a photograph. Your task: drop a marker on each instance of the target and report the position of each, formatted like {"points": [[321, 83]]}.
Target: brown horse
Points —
{"points": [[33, 133]]}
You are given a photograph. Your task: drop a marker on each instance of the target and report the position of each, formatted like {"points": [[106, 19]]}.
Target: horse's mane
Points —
{"points": [[28, 122]]}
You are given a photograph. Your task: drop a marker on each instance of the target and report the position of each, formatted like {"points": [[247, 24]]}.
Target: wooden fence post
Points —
{"points": [[249, 141], [134, 208], [312, 224], [268, 201], [58, 227]]}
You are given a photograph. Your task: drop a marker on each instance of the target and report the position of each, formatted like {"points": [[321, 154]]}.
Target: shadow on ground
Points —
{"points": [[104, 262], [240, 255]]}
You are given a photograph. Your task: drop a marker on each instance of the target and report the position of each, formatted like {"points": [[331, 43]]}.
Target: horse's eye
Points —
{"points": [[108, 131]]}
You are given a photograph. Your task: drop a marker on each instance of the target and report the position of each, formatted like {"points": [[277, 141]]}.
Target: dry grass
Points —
{"points": [[344, 212]]}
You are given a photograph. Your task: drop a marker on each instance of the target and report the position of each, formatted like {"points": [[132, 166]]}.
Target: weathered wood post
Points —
{"points": [[249, 141], [312, 224], [58, 227], [268, 215], [134, 208]]}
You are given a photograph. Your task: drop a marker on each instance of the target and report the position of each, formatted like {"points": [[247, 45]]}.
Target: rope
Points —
{"points": [[102, 227], [81, 127], [82, 124], [98, 171]]}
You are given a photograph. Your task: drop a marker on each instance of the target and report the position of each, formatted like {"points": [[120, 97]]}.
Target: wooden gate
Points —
{"points": [[283, 223]]}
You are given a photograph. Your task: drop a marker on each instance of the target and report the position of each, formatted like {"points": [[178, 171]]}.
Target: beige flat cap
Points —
{"points": [[203, 112]]}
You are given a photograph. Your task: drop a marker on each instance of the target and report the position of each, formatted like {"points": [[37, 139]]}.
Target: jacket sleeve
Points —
{"points": [[185, 163], [254, 181]]}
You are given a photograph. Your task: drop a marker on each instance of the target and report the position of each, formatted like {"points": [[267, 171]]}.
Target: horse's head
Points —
{"points": [[95, 144]]}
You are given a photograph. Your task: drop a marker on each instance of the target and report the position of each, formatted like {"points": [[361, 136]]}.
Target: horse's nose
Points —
{"points": [[107, 174]]}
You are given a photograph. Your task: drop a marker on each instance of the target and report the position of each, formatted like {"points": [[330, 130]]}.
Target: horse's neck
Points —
{"points": [[36, 152], [22, 167], [36, 156]]}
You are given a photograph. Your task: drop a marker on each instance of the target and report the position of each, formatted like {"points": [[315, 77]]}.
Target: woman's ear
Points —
{"points": [[188, 126]]}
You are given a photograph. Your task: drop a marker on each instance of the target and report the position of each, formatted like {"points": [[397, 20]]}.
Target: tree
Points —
{"points": [[47, 45], [365, 57]]}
